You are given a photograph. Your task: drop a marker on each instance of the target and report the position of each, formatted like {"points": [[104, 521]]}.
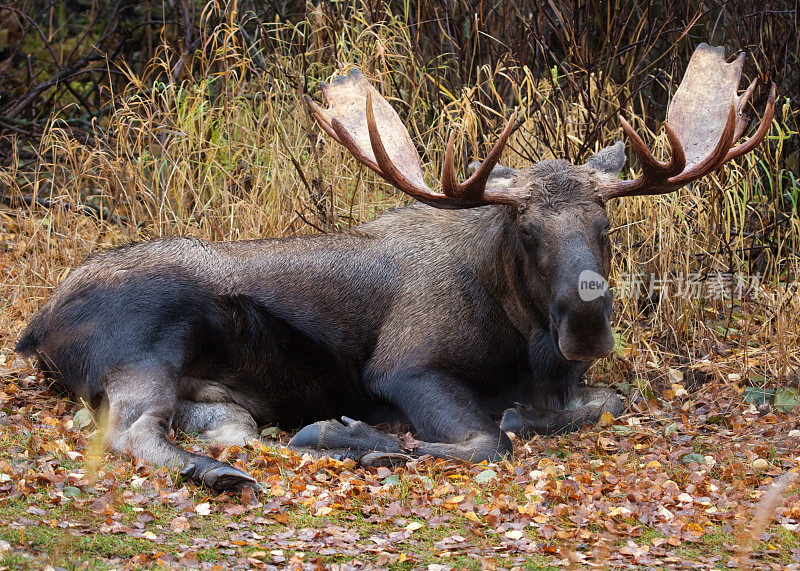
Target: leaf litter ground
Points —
{"points": [[704, 480]]}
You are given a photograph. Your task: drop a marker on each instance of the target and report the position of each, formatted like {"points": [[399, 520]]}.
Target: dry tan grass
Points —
{"points": [[234, 156]]}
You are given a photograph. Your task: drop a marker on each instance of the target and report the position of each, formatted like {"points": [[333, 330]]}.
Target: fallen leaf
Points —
{"points": [[82, 419], [786, 398], [695, 528], [408, 443], [323, 511], [606, 419], [179, 524]]}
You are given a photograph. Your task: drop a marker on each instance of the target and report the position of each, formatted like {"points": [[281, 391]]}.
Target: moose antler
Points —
{"points": [[366, 125], [704, 119]]}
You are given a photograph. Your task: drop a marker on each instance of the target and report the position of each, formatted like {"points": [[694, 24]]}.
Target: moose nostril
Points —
{"points": [[581, 330], [556, 317], [577, 347]]}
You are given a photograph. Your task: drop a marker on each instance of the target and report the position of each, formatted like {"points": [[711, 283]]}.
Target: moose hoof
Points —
{"points": [[353, 434], [221, 478], [384, 459], [229, 479], [613, 404], [602, 399], [511, 421], [308, 437]]}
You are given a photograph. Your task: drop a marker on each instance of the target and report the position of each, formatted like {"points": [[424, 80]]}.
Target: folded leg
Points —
{"points": [[586, 407], [222, 423], [445, 414], [141, 405]]}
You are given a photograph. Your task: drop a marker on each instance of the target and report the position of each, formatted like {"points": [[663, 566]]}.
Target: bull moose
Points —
{"points": [[460, 317]]}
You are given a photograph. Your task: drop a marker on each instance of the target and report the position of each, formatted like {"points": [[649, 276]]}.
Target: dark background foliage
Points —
{"points": [[57, 53]]}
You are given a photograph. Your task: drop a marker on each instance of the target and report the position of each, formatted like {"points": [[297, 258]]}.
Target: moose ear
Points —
{"points": [[609, 160], [500, 175]]}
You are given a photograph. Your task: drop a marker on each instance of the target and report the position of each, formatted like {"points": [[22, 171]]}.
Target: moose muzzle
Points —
{"points": [[579, 317]]}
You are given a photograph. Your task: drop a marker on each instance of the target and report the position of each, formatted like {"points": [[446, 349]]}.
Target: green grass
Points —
{"points": [[62, 548]]}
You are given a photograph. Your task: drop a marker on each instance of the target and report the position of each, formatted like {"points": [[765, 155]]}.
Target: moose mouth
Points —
{"points": [[582, 347]]}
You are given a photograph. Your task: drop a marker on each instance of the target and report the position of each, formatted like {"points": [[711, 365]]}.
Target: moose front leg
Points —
{"points": [[446, 416], [586, 407]]}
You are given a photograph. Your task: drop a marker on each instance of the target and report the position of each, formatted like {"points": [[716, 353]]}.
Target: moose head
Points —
{"points": [[558, 210]]}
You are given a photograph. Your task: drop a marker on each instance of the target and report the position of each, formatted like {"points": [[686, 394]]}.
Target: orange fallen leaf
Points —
{"points": [[695, 528], [471, 515], [607, 419]]}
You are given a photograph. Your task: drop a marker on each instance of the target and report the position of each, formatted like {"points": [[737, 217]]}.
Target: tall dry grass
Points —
{"points": [[229, 153]]}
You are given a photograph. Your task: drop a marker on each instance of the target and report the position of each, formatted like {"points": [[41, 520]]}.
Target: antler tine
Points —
{"points": [[476, 184], [347, 141], [449, 181], [651, 164], [316, 111], [761, 133], [654, 172], [741, 102], [474, 188]]}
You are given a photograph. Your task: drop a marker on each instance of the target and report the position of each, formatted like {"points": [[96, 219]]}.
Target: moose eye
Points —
{"points": [[603, 228], [527, 230]]}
